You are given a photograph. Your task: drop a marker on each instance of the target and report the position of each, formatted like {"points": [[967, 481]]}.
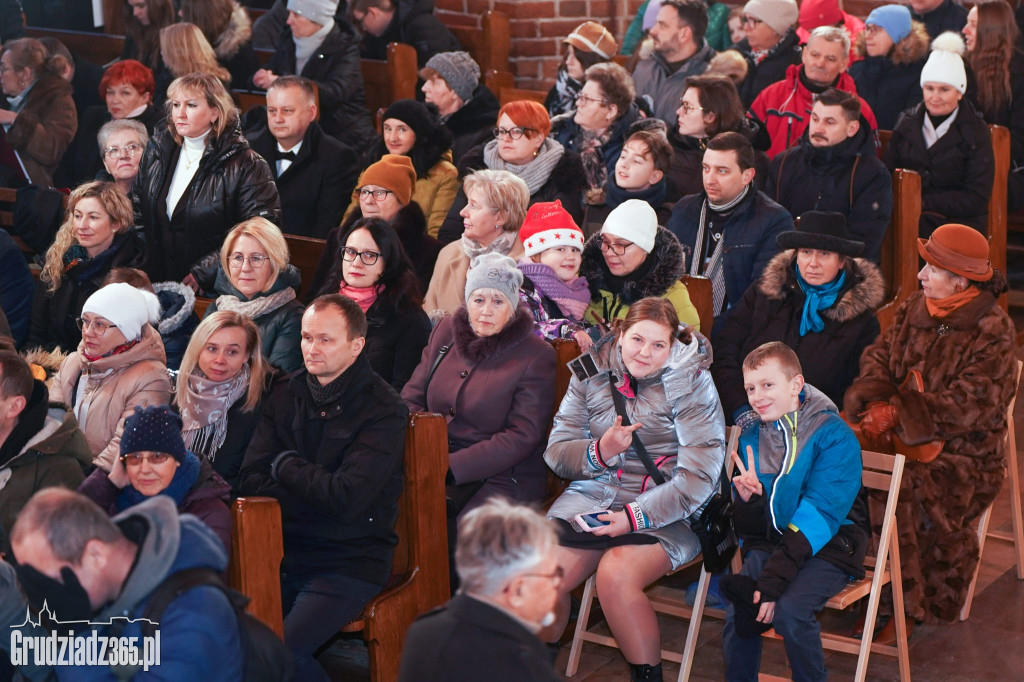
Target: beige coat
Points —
{"points": [[447, 290], [434, 193], [114, 386]]}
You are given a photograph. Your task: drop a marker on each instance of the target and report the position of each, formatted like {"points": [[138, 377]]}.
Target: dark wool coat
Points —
{"points": [[233, 183], [771, 69], [685, 175], [395, 340], [568, 132], [948, 16], [968, 363], [891, 84], [847, 178], [411, 226], [468, 639], [566, 184], [339, 487], [413, 24], [771, 311], [334, 67], [315, 187], [956, 172], [472, 124], [497, 393], [53, 315], [750, 232], [44, 128]]}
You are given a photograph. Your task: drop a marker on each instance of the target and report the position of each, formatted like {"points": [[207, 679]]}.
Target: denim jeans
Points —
{"points": [[815, 583]]}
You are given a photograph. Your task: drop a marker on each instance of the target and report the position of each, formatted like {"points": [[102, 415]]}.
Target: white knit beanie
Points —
{"points": [[635, 221], [128, 308], [945, 64]]}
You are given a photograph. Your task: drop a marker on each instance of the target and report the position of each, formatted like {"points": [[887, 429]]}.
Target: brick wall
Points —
{"points": [[538, 28]]}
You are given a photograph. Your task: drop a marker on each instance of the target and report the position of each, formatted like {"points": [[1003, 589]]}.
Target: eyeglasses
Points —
{"points": [[256, 260], [368, 257], [378, 194], [514, 133], [132, 150], [617, 249], [154, 458], [872, 29], [555, 576], [99, 328], [752, 21], [583, 100], [687, 107]]}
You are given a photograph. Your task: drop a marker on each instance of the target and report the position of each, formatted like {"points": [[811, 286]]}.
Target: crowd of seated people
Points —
{"points": [[191, 350]]}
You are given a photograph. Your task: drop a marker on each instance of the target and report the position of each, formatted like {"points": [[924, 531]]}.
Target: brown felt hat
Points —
{"points": [[393, 172], [960, 249]]}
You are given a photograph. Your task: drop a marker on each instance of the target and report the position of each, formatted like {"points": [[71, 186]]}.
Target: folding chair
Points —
{"points": [[883, 473], [1017, 536]]}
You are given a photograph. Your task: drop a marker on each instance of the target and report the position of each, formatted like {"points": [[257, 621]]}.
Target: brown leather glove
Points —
{"points": [[880, 418]]}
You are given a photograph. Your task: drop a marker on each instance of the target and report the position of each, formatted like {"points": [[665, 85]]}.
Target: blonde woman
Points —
{"points": [[198, 178], [185, 49], [220, 389], [253, 278], [94, 238]]}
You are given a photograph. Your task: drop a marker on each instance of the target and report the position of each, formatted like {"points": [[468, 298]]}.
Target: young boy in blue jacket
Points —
{"points": [[798, 512]]}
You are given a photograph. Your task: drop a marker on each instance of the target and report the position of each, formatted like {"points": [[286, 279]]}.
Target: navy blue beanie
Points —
{"points": [[153, 429]]}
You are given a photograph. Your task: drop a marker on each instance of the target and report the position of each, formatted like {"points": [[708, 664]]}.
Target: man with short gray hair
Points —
{"points": [[784, 106], [509, 573]]}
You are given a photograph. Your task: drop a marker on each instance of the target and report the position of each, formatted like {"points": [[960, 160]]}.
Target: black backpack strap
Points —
{"points": [[178, 584], [638, 446]]}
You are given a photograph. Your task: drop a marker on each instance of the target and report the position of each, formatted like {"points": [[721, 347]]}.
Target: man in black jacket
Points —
{"points": [[329, 447], [834, 167], [939, 16], [465, 105], [314, 172], [411, 22]]}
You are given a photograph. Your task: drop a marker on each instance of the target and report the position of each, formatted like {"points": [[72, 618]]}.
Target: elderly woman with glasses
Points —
{"points": [[122, 143], [252, 277], [598, 128], [155, 461], [770, 46], [119, 365], [522, 147]]}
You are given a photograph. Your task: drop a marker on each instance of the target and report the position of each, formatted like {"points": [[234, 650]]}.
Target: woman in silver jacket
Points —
{"points": [[670, 398]]}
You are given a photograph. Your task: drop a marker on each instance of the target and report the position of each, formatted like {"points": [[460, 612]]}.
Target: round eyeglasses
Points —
{"points": [[132, 150], [256, 260], [98, 327]]}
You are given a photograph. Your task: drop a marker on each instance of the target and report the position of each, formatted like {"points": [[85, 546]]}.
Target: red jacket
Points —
{"points": [[790, 95]]}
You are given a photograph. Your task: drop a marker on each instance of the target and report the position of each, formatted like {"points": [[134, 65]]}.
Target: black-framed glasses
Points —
{"points": [[368, 257], [378, 194], [514, 133], [555, 576], [617, 249], [752, 21], [256, 260], [583, 100], [132, 150], [99, 327], [154, 458]]}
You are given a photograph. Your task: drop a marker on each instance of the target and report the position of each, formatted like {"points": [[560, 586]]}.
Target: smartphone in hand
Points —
{"points": [[588, 523]]}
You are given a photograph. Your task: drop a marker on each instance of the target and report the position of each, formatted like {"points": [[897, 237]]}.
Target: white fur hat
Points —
{"points": [[130, 309]]}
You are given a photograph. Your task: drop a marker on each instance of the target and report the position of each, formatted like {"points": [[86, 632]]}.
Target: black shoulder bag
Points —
{"points": [[638, 446]]}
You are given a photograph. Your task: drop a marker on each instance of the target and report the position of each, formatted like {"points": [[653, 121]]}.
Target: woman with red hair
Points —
{"points": [[522, 147], [127, 89]]}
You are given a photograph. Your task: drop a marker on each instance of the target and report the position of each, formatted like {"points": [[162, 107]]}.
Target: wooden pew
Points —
{"points": [[496, 81], [488, 45], [263, 56], [506, 95], [99, 48], [250, 99], [899, 246], [997, 212], [419, 573], [566, 350], [257, 547], [389, 81], [702, 298], [202, 303], [304, 253]]}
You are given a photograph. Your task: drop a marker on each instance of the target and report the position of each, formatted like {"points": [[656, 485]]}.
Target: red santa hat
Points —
{"points": [[548, 225]]}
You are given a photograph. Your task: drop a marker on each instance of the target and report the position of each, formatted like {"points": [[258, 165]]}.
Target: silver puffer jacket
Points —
{"points": [[683, 431]]}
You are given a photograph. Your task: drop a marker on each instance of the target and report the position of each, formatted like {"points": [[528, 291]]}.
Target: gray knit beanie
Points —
{"points": [[317, 11], [459, 71], [494, 271]]}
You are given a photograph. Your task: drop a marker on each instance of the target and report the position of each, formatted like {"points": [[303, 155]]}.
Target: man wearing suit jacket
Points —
{"points": [[315, 173]]}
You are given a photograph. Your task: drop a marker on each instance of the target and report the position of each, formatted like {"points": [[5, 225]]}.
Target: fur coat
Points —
{"points": [[771, 311], [967, 362], [44, 128]]}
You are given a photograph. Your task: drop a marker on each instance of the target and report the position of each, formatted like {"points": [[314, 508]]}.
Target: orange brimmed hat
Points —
{"points": [[960, 249]]}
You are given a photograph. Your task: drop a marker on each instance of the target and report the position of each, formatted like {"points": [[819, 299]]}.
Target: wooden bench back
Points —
{"points": [[304, 253], [99, 48], [257, 548], [488, 45], [702, 298], [387, 81], [997, 211], [506, 95], [248, 100], [883, 140], [899, 246]]}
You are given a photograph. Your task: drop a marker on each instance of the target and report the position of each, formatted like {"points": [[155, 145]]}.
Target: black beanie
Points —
{"points": [[153, 429], [414, 114]]}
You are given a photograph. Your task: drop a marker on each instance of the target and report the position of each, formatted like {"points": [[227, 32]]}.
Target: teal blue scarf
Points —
{"points": [[816, 299]]}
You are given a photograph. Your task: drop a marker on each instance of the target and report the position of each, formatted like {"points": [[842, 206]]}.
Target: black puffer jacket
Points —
{"points": [[771, 310], [847, 178], [566, 184], [178, 319], [233, 183], [771, 69], [472, 124], [395, 340], [53, 315], [956, 172], [413, 23], [339, 487], [334, 67]]}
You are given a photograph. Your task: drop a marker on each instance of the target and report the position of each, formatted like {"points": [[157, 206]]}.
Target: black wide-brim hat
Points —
{"points": [[821, 230]]}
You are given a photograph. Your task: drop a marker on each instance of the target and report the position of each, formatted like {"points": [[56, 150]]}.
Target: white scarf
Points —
{"points": [[933, 134], [305, 47]]}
